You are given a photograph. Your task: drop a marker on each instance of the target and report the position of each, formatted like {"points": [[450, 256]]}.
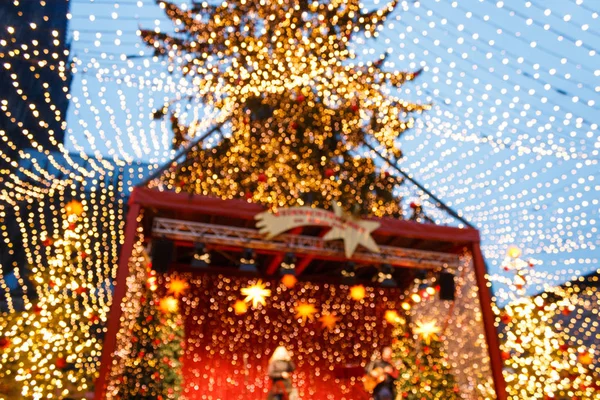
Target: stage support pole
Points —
{"points": [[114, 316], [491, 335]]}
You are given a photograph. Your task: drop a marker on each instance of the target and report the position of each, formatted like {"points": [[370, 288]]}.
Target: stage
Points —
{"points": [[340, 311]]}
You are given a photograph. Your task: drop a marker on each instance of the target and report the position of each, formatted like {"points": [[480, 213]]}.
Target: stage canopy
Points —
{"points": [[223, 345]]}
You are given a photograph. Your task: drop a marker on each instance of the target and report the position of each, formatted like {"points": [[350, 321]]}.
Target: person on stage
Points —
{"points": [[382, 370], [280, 368]]}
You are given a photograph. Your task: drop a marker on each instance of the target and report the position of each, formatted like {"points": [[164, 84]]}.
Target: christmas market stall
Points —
{"points": [[207, 289]]}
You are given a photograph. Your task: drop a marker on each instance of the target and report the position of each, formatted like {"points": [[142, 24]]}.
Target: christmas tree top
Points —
{"points": [[300, 109]]}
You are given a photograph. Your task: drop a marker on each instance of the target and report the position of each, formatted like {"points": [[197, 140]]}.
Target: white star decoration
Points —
{"points": [[353, 231]]}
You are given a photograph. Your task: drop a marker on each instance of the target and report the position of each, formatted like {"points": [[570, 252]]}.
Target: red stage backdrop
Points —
{"points": [[227, 354]]}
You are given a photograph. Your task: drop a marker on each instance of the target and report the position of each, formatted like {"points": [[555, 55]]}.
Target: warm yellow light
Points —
{"points": [[513, 252], [289, 281], [168, 305], [177, 287], [74, 207], [328, 321], [427, 330], [415, 297], [357, 292], [256, 294], [305, 311], [240, 307], [392, 317]]}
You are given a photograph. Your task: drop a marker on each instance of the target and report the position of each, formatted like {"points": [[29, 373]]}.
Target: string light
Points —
{"points": [[511, 141]]}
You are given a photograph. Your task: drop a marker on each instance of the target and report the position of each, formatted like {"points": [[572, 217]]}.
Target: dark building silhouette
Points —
{"points": [[35, 73]]}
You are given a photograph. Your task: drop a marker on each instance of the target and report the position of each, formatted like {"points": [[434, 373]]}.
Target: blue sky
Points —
{"points": [[512, 141]]}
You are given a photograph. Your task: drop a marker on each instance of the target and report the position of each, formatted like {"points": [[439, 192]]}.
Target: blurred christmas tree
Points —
{"points": [[541, 359], [300, 107], [51, 349], [540, 363], [425, 373], [153, 368]]}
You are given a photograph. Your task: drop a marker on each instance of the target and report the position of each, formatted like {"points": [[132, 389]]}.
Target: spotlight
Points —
{"points": [[447, 286], [288, 266], [421, 274], [349, 274], [201, 256], [247, 261], [384, 276]]}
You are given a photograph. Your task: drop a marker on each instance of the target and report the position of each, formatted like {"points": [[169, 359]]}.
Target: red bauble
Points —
{"points": [[80, 290], [72, 226], [48, 242], [414, 205], [52, 284], [329, 172], [83, 254], [294, 125], [60, 363], [149, 318], [354, 107], [4, 343], [262, 177], [37, 309], [505, 318], [94, 318], [248, 195], [300, 98], [563, 347], [505, 355]]}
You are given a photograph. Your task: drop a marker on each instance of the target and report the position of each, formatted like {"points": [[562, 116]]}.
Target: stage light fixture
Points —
{"points": [[447, 286], [201, 256], [248, 261], [349, 274], [421, 274], [384, 277], [288, 266]]}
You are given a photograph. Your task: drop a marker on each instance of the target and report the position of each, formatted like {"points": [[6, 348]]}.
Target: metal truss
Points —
{"points": [[231, 236]]}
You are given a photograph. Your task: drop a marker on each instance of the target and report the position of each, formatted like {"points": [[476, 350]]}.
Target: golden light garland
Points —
{"points": [[545, 134]]}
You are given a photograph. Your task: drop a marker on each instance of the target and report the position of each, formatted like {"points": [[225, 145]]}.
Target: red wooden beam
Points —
{"points": [[305, 262], [241, 209], [485, 300], [276, 261], [114, 316]]}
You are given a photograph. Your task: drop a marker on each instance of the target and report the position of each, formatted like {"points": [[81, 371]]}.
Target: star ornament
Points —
{"points": [[428, 331], [256, 294], [305, 311], [74, 207], [328, 321], [168, 305], [353, 231], [177, 287]]}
